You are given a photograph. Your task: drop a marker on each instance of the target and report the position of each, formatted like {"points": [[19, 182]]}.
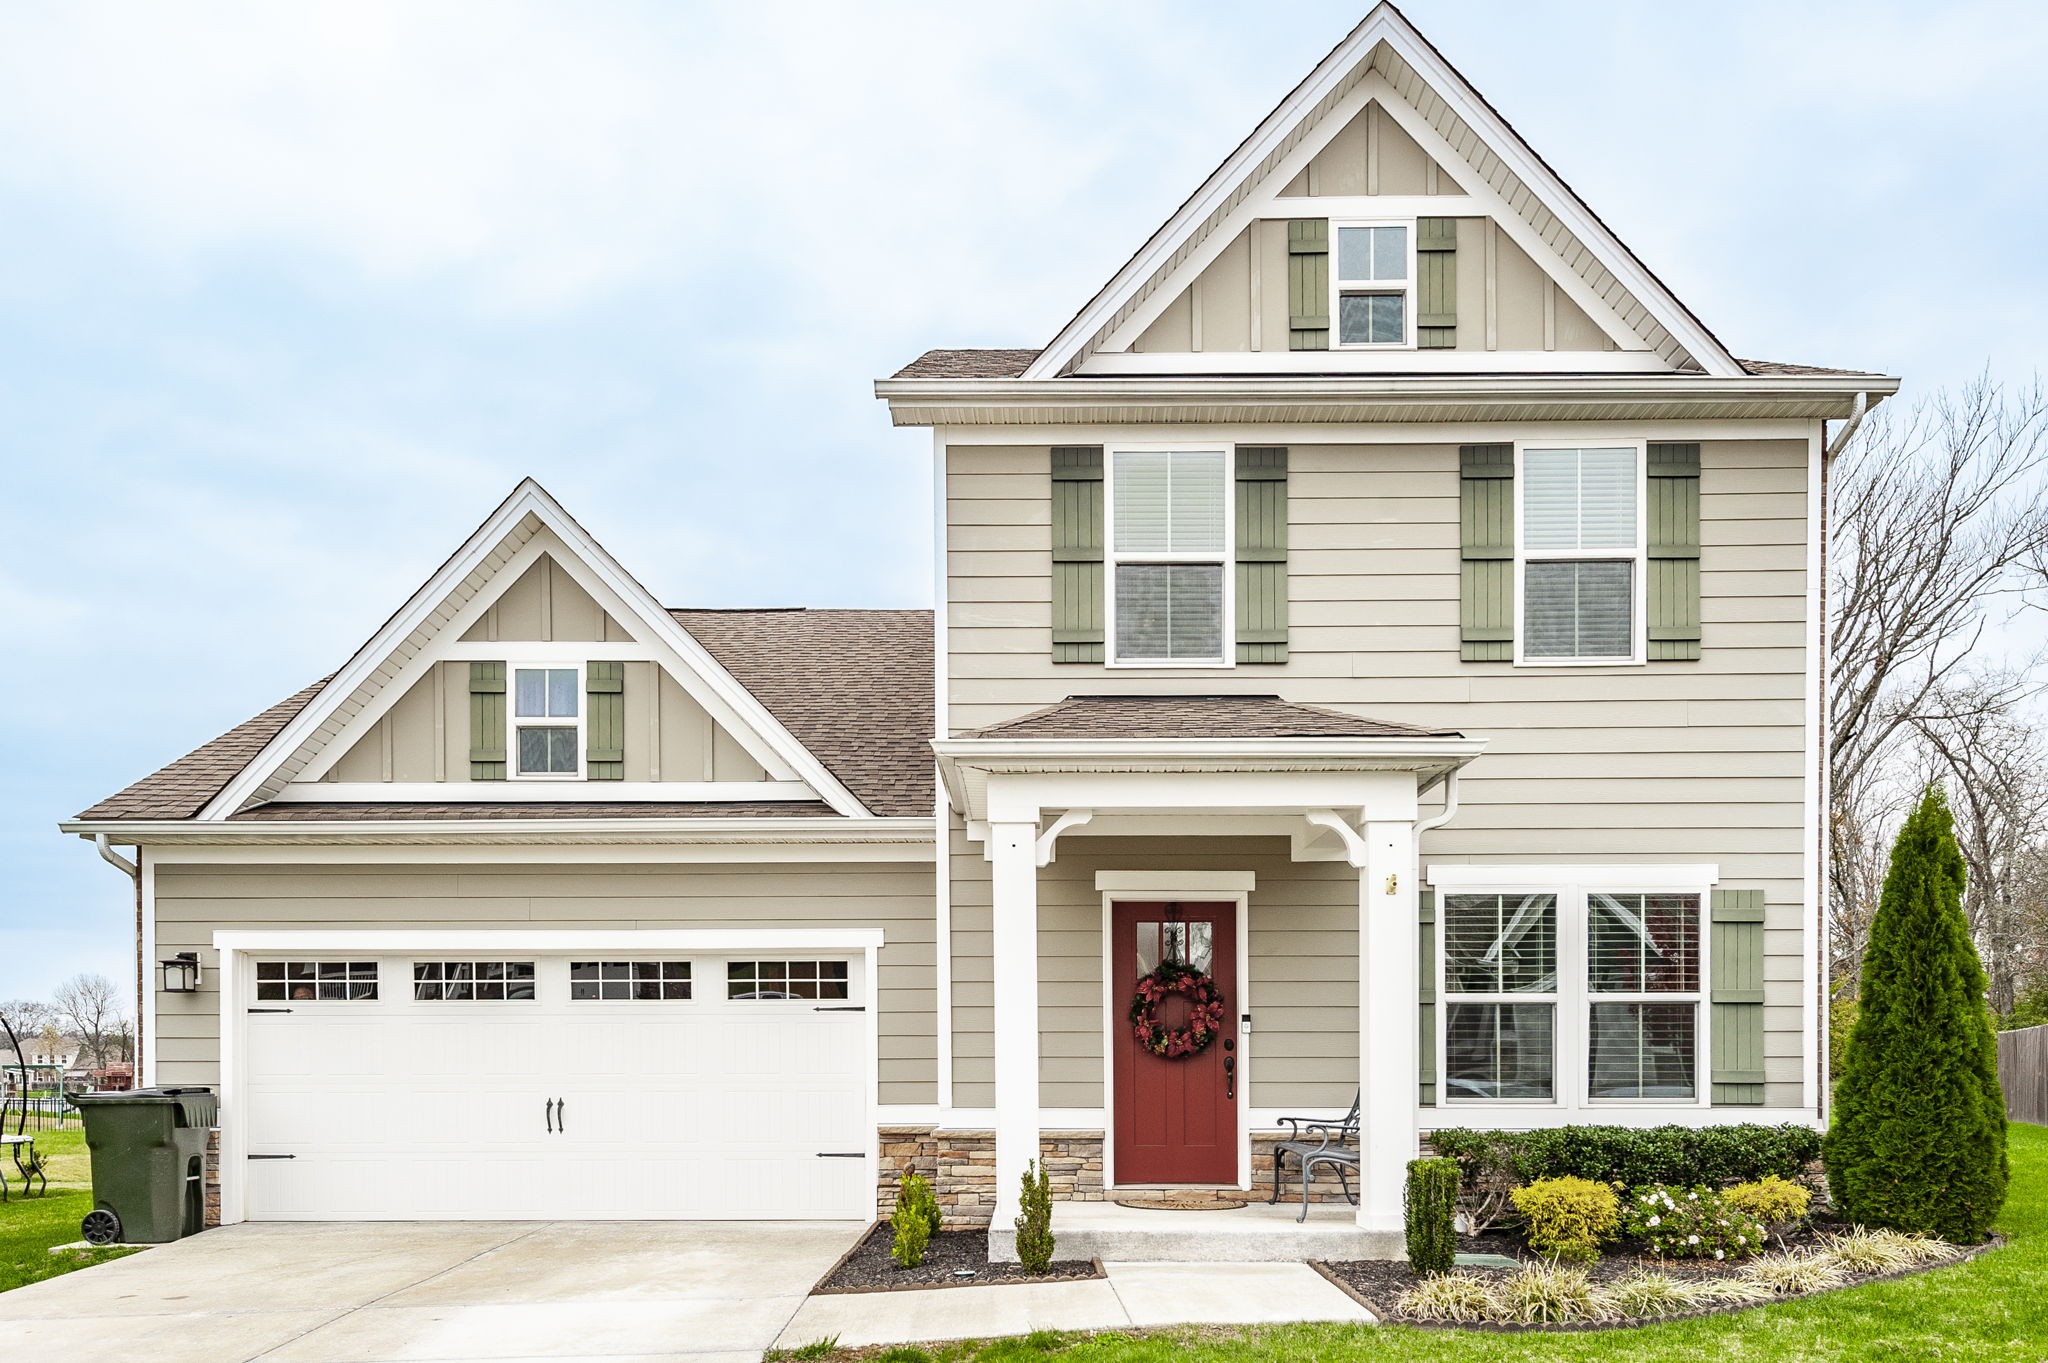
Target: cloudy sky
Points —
{"points": [[290, 296]]}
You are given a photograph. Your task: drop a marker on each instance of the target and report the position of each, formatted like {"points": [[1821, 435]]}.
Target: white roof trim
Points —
{"points": [[1384, 24], [648, 621]]}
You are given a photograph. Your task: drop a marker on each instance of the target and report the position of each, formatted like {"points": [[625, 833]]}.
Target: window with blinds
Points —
{"points": [[1582, 555], [1643, 985], [1169, 548], [1500, 995]]}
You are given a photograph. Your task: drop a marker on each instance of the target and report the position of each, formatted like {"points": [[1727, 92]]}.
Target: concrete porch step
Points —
{"points": [[1255, 1234]]}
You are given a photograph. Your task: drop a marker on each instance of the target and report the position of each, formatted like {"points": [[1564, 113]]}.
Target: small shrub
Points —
{"points": [[1885, 1251], [1568, 1218], [1034, 1227], [1432, 1206], [915, 1221], [1770, 1199], [1792, 1275], [1489, 1169], [1451, 1298], [1546, 1294], [1642, 1296], [1692, 1223]]}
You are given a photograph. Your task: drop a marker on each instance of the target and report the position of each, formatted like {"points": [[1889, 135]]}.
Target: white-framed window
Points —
{"points": [[1579, 554], [316, 981], [546, 742], [756, 980], [1372, 284], [636, 981], [1168, 557], [472, 981], [1573, 987]]}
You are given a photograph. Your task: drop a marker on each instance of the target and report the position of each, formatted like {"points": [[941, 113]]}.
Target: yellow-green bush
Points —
{"points": [[1771, 1200], [1568, 1217]]}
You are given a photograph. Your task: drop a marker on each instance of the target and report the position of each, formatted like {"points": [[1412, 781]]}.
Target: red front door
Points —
{"points": [[1176, 1120]]}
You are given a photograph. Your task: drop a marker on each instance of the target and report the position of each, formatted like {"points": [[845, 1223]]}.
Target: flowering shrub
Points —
{"points": [[1567, 1217], [1691, 1223]]}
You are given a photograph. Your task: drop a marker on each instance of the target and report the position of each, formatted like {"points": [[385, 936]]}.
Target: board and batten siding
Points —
{"points": [[194, 902], [1695, 761]]}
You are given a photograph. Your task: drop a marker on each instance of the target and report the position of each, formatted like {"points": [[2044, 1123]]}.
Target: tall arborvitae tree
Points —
{"points": [[1918, 1137]]}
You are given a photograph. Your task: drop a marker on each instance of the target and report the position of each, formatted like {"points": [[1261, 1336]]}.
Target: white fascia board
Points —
{"points": [[1617, 876], [536, 791], [531, 498], [992, 752], [816, 830], [631, 939], [1127, 363]]}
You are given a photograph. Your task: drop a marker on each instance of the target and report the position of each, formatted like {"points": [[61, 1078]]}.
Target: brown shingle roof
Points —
{"points": [[968, 364], [1081, 717], [853, 686], [1798, 370], [568, 809]]}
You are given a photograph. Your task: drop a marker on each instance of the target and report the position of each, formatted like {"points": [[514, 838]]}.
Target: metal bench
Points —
{"points": [[27, 1161], [1318, 1141]]}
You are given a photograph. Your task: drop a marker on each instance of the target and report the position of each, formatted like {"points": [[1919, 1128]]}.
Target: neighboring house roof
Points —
{"points": [[853, 686], [1010, 364], [1082, 717]]}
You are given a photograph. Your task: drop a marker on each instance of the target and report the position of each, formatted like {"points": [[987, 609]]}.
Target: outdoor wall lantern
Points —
{"points": [[181, 973]]}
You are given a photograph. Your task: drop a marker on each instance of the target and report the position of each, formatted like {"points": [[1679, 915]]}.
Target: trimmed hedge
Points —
{"points": [[1631, 1156], [1432, 1206]]}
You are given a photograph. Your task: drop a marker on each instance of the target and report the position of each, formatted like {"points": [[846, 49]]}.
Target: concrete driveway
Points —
{"points": [[625, 1292]]}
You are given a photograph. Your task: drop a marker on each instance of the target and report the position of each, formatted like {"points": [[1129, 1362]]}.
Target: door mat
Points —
{"points": [[1183, 1200]]}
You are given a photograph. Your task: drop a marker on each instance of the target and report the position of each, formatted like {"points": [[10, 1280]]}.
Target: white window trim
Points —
{"points": [[1638, 558], [513, 720], [1227, 558], [1571, 1033], [1406, 288]]}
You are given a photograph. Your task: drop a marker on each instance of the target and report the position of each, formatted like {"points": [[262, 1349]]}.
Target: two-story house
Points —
{"points": [[1377, 652]]}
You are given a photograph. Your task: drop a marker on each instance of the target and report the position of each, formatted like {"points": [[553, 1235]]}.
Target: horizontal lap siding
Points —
{"points": [[1673, 762], [194, 903]]}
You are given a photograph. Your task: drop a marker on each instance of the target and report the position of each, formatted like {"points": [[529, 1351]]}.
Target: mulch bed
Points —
{"points": [[1377, 1284], [867, 1267]]}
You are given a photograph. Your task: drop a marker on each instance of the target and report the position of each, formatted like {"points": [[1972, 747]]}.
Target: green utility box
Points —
{"points": [[148, 1163]]}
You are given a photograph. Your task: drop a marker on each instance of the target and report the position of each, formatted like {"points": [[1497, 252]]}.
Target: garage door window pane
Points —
{"points": [[643, 981], [472, 981], [786, 980], [316, 981]]}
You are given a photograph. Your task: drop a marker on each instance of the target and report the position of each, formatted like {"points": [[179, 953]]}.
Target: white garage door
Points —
{"points": [[599, 1084]]}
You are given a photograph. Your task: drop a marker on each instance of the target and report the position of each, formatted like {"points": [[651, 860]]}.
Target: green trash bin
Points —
{"points": [[148, 1163]]}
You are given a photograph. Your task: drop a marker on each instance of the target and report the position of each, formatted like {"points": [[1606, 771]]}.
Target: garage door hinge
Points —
{"points": [[842, 1008], [273, 1156], [842, 1154], [270, 1010]]}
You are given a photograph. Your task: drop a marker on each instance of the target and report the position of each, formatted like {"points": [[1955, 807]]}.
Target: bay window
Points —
{"points": [[1169, 556], [1581, 555]]}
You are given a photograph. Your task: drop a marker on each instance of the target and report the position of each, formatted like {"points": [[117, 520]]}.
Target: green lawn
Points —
{"points": [[30, 1225], [1994, 1307]]}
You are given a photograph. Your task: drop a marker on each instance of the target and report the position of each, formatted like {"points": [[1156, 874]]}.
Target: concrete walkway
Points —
{"points": [[1133, 1295], [418, 1292]]}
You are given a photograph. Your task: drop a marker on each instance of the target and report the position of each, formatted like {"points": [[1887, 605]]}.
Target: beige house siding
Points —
{"points": [[1671, 762], [192, 903]]}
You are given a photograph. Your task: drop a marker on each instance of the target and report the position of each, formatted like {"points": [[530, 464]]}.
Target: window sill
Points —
{"points": [[1209, 665]]}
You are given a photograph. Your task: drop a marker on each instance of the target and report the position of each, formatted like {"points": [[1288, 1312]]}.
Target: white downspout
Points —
{"points": [[134, 873], [1449, 812]]}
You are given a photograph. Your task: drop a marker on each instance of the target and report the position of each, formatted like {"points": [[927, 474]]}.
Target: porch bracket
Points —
{"points": [[1042, 850], [1354, 843]]}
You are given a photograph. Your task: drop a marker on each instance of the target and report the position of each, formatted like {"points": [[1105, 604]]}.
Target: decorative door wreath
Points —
{"points": [[1205, 1011]]}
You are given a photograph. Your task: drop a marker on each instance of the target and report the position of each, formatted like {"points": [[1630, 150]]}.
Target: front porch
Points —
{"points": [[1185, 844]]}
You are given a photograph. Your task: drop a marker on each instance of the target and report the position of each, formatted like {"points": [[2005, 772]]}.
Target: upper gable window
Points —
{"points": [[1581, 554], [1373, 281], [547, 721], [1169, 555]]}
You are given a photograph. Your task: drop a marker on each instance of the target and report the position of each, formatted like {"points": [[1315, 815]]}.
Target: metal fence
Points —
{"points": [[2023, 1074], [37, 1112]]}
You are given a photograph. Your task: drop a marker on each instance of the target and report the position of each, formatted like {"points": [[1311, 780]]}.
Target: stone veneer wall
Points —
{"points": [[209, 1178], [960, 1166]]}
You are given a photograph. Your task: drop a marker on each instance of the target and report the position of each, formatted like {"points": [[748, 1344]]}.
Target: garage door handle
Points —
{"points": [[854, 1008], [549, 1108], [561, 1122], [273, 1156], [270, 1010], [842, 1154]]}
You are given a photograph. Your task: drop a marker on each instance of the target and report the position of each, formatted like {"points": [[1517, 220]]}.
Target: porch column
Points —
{"points": [[1012, 848], [1386, 1022]]}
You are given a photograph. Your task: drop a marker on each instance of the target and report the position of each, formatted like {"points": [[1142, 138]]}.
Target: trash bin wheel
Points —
{"points": [[100, 1227]]}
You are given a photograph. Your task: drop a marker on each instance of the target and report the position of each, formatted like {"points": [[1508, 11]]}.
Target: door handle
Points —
{"points": [[561, 1122], [1230, 1077], [549, 1108]]}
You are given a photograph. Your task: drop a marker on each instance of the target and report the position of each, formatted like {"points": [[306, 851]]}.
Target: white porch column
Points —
{"points": [[1387, 1000], [1012, 848]]}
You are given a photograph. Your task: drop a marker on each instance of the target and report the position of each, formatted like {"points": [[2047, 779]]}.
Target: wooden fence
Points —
{"points": [[2023, 1073]]}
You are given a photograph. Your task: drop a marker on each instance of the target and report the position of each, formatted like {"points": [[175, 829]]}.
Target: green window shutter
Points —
{"points": [[1672, 592], [487, 721], [1436, 283], [1077, 581], [1737, 998], [1425, 1020], [1486, 576], [604, 690], [1261, 555], [1308, 284]]}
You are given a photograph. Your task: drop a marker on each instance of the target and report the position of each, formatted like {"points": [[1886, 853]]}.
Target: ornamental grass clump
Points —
{"points": [[1692, 1223], [1432, 1209], [1448, 1298], [1885, 1251], [1643, 1295], [1793, 1275], [1568, 1218], [1546, 1294], [1917, 1141], [914, 1222]]}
